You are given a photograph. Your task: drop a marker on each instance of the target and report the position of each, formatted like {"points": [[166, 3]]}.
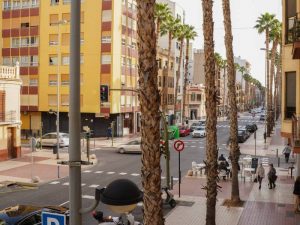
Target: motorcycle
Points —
{"points": [[124, 219]]}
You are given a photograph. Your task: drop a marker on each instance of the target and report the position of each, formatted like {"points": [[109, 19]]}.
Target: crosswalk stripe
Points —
{"points": [[55, 182], [94, 186], [175, 178], [163, 178], [88, 197], [110, 172], [99, 172], [83, 185], [87, 171], [122, 174], [66, 184]]}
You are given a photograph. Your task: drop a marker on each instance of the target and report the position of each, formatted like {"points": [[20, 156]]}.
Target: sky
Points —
{"points": [[246, 41]]}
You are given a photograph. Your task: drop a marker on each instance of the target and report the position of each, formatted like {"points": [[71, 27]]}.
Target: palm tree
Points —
{"points": [[170, 27], [275, 36], [264, 23], [211, 113], [162, 11], [219, 63], [234, 148], [277, 82], [150, 117], [180, 34], [190, 34], [242, 70]]}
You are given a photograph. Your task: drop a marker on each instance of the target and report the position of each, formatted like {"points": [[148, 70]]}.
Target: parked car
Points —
{"points": [[50, 139], [262, 117], [202, 122], [133, 146], [194, 125], [29, 214], [244, 129], [184, 131], [251, 127], [241, 136], [199, 132]]}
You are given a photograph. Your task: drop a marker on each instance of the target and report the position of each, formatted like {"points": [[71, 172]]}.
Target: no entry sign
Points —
{"points": [[178, 145]]}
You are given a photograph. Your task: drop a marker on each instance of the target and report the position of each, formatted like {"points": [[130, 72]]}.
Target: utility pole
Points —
{"points": [[74, 115]]}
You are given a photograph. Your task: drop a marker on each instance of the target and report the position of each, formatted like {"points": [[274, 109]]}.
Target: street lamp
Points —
{"points": [[58, 23], [57, 129], [266, 92]]}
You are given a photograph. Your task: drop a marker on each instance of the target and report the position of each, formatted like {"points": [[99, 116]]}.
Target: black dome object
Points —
{"points": [[121, 192]]}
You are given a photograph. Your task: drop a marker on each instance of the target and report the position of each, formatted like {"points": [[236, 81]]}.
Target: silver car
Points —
{"points": [[50, 139], [133, 146]]}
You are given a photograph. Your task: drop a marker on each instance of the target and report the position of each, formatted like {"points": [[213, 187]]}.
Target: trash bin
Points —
{"points": [[54, 149]]}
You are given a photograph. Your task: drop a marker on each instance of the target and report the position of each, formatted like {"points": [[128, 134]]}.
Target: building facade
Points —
{"points": [[37, 33], [290, 101], [10, 122]]}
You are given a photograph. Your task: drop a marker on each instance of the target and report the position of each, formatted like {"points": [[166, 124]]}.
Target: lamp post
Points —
{"points": [[60, 22], [266, 93]]}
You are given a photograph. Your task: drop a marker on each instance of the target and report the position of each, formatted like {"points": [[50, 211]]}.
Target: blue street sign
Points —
{"points": [[53, 219]]}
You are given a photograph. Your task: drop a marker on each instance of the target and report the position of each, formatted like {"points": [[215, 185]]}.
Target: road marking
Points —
{"points": [[224, 144], [88, 197], [193, 142], [193, 146], [64, 203], [110, 173], [163, 178], [135, 174], [55, 182], [99, 172], [175, 178], [140, 204], [87, 171], [66, 184], [122, 174], [201, 147], [83, 185], [94, 186]]}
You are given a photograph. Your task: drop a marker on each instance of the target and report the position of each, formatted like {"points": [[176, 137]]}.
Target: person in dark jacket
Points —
{"points": [[272, 177], [296, 192]]}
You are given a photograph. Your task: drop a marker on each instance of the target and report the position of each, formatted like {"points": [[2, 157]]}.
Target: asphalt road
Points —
{"points": [[112, 165]]}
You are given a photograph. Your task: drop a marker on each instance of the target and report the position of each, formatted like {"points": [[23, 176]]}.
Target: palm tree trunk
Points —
{"points": [[211, 113], [157, 31], [149, 103], [166, 77], [178, 75], [268, 87], [272, 75], [234, 148], [186, 71]]}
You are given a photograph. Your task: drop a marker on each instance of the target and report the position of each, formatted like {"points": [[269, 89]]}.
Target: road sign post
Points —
{"points": [[53, 219], [179, 146]]}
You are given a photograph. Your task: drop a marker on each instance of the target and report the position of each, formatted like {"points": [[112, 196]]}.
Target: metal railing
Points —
{"points": [[296, 130], [8, 117], [295, 28]]}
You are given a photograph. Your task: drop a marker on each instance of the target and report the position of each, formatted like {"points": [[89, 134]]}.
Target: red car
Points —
{"points": [[184, 131]]}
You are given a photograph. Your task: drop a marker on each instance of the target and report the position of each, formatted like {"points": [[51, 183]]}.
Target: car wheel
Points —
{"points": [[172, 203], [122, 150]]}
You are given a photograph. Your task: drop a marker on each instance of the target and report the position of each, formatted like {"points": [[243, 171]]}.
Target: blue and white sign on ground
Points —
{"points": [[53, 219]]}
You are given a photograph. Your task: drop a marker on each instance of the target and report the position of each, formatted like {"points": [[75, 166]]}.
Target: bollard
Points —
{"points": [[278, 162], [172, 183], [58, 171]]}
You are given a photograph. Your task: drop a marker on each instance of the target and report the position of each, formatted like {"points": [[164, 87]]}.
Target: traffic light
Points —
{"points": [[104, 93]]}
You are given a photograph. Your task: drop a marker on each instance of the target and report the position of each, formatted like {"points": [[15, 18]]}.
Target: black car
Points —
{"points": [[251, 127], [29, 214], [242, 136]]}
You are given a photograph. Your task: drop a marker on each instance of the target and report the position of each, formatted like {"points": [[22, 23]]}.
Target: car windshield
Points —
{"points": [[240, 132], [200, 128], [196, 124]]}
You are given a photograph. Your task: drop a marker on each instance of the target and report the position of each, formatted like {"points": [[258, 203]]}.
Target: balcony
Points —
{"points": [[296, 133], [9, 117], [296, 37]]}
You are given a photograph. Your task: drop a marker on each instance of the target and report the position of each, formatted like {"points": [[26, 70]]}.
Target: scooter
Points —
{"points": [[170, 197]]}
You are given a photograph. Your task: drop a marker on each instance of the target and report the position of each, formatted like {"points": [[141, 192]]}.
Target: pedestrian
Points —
{"points": [[296, 192], [221, 158], [260, 174], [108, 133], [272, 176], [287, 151]]}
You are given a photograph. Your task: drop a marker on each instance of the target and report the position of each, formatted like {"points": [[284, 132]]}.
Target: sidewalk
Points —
{"points": [[261, 207]]}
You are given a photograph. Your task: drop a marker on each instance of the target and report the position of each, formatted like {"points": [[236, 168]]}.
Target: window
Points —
{"points": [[16, 4], [159, 81], [106, 16], [15, 59], [199, 97], [25, 61], [25, 3], [33, 82], [65, 79], [170, 99], [6, 61], [53, 39], [34, 60], [193, 97], [53, 60], [24, 25], [6, 5], [52, 79], [290, 13], [64, 100], [53, 19], [54, 2], [52, 101], [15, 42], [106, 39], [81, 59], [159, 63], [66, 16], [65, 60], [123, 61], [290, 94], [106, 59], [177, 59]]}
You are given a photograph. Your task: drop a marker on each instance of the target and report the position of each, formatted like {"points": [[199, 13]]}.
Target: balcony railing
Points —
{"points": [[296, 130], [9, 72], [8, 117]]}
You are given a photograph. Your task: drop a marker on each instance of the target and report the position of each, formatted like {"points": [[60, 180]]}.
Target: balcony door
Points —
{"points": [[290, 94]]}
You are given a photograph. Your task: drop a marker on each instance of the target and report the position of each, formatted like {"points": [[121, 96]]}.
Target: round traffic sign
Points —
{"points": [[178, 145]]}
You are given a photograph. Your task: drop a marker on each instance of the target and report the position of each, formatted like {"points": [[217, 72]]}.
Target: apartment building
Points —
{"points": [[10, 123], [195, 102], [290, 101], [37, 33]]}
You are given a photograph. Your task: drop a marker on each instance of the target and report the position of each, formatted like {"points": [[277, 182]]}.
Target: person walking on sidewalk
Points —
{"points": [[272, 176], [287, 151], [260, 173], [296, 192], [108, 133]]}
